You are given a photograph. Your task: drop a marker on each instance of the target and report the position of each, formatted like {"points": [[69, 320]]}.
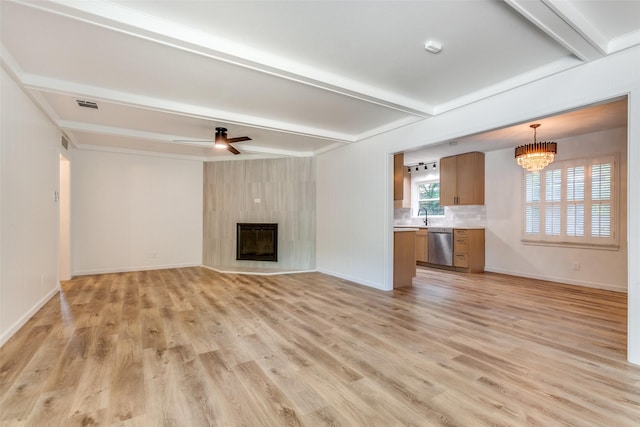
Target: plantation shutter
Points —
{"points": [[575, 201], [532, 200], [601, 200], [553, 199]]}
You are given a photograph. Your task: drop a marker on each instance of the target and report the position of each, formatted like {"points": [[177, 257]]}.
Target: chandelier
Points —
{"points": [[536, 156]]}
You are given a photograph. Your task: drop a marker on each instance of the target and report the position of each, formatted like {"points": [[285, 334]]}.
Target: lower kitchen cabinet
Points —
{"points": [[404, 249], [468, 250], [422, 254]]}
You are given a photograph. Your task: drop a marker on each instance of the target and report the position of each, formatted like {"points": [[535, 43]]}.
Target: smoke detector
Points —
{"points": [[433, 46]]}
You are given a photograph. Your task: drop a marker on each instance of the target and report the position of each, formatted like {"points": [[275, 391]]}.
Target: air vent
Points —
{"points": [[65, 143], [87, 104]]}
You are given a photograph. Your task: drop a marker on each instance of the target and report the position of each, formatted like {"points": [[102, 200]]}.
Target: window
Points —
{"points": [[572, 202], [429, 198]]}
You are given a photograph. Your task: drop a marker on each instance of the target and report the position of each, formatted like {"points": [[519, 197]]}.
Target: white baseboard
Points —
{"points": [[604, 286], [6, 335], [370, 284], [254, 271], [129, 269]]}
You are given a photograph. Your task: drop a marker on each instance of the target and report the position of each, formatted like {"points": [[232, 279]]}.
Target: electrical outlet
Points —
{"points": [[576, 266]]}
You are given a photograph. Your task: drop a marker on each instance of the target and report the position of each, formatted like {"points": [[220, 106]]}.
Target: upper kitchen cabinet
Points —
{"points": [[462, 179], [401, 183]]}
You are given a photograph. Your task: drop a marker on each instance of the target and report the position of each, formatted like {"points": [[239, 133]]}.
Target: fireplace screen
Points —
{"points": [[257, 242]]}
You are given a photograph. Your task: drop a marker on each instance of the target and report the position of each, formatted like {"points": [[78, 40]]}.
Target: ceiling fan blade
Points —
{"points": [[194, 141], [232, 149], [239, 139]]}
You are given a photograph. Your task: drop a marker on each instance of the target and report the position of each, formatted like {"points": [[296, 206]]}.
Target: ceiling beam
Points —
{"points": [[94, 93], [551, 21], [126, 20], [568, 12]]}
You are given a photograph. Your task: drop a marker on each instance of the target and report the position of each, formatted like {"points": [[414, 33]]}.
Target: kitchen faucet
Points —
{"points": [[426, 215]]}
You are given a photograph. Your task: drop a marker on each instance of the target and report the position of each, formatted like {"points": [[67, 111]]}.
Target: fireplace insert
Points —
{"points": [[257, 242]]}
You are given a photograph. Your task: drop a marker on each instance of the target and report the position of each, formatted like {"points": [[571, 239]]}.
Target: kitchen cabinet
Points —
{"points": [[404, 251], [401, 183], [462, 179], [422, 250], [468, 250]]}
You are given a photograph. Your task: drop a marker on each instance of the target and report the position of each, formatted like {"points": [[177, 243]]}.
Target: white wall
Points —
{"points": [[505, 253], [29, 214], [134, 212], [352, 220], [355, 210]]}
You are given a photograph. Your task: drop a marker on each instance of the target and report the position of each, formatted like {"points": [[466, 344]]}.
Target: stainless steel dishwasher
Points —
{"points": [[440, 241]]}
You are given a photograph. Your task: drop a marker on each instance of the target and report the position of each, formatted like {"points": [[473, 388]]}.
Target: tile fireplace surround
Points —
{"points": [[281, 191]]}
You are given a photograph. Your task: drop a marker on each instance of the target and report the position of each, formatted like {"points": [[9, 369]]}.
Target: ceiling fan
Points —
{"points": [[221, 140]]}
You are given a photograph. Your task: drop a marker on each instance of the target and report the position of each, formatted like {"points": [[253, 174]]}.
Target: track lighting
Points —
{"points": [[425, 166]]}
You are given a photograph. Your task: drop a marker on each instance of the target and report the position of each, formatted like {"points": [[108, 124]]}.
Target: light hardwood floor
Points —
{"points": [[191, 347]]}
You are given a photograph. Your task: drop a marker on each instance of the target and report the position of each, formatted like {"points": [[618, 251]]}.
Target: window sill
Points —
{"points": [[612, 247]]}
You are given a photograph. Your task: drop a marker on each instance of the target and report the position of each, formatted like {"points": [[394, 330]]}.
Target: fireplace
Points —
{"points": [[257, 242]]}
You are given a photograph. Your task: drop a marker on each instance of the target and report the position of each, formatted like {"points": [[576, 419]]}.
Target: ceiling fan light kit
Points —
{"points": [[221, 140]]}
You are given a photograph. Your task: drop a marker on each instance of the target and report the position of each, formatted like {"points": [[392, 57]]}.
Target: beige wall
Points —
{"points": [[279, 191]]}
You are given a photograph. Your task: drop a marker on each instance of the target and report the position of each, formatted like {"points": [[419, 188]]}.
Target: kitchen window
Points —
{"points": [[572, 202], [429, 198]]}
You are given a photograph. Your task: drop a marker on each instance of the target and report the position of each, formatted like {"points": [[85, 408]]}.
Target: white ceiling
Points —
{"points": [[298, 77]]}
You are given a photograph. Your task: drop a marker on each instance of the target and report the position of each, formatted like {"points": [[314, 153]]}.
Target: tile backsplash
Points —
{"points": [[454, 216]]}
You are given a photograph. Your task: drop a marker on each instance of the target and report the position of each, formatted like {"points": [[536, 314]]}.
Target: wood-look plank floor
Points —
{"points": [[191, 347]]}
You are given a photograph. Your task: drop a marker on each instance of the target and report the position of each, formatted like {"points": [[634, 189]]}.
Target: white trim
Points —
{"points": [[256, 272], [26, 316], [357, 280], [544, 15], [561, 280], [130, 269]]}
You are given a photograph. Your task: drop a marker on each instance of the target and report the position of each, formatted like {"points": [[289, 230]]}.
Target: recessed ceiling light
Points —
{"points": [[433, 46]]}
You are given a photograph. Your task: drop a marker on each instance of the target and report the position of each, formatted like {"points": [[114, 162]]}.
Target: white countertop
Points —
{"points": [[407, 228]]}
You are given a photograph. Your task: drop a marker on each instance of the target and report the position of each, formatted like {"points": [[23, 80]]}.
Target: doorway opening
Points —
{"points": [[64, 204]]}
